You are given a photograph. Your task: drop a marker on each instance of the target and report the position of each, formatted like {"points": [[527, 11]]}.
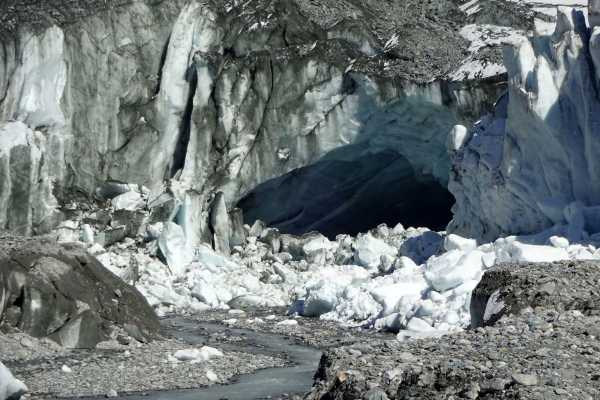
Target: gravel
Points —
{"points": [[129, 368], [410, 39], [543, 346], [39, 14], [537, 355], [312, 332]]}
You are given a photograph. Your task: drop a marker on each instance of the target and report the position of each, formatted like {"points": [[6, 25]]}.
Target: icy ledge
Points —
{"points": [[533, 163]]}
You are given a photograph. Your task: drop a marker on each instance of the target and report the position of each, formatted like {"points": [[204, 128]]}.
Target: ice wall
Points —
{"points": [[213, 97], [534, 162]]}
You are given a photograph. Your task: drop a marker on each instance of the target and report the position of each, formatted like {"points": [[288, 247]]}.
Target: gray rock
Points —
{"points": [[564, 286], [111, 235], [63, 293], [99, 218], [134, 221], [375, 394], [525, 379]]}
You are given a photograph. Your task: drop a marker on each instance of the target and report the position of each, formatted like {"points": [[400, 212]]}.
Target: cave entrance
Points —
{"points": [[350, 194]]}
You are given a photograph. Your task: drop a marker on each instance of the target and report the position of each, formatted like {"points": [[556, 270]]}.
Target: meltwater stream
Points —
{"points": [[266, 383]]}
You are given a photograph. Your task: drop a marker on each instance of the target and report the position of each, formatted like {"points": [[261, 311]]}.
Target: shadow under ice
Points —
{"points": [[351, 190]]}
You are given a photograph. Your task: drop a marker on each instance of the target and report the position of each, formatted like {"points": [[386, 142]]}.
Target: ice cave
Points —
{"points": [[348, 191]]}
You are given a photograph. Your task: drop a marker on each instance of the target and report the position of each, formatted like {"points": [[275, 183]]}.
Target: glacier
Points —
{"points": [[164, 167], [163, 92], [532, 163], [415, 281]]}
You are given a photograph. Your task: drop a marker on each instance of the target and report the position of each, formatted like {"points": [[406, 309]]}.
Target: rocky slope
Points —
{"points": [[545, 348], [63, 293], [222, 96]]}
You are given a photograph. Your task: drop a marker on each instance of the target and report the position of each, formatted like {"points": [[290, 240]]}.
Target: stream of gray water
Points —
{"points": [[263, 384]]}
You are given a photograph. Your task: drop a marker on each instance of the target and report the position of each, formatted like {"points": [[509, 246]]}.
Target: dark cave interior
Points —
{"points": [[350, 194]]}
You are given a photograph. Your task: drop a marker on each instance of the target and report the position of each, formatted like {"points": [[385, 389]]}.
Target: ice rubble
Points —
{"points": [[413, 281], [203, 354], [10, 387]]}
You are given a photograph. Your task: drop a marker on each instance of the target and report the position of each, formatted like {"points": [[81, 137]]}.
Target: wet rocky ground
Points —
{"points": [[51, 371], [312, 332], [542, 344], [114, 368], [538, 355]]}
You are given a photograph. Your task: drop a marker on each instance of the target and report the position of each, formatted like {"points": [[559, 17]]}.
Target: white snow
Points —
{"points": [[410, 297], [369, 251], [453, 268], [212, 376], [131, 201], [203, 354], [288, 322], [455, 242], [10, 387], [481, 36]]}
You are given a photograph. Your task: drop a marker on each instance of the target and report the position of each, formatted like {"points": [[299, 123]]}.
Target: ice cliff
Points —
{"points": [[217, 96], [533, 163]]}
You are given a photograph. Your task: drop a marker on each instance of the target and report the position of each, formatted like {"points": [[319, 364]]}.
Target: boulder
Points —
{"points": [[99, 218], [134, 221], [111, 236], [61, 292], [510, 288]]}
